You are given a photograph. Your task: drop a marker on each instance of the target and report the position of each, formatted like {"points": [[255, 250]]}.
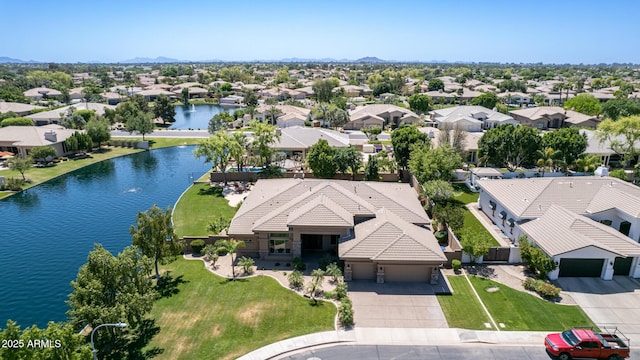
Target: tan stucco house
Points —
{"points": [[378, 229]]}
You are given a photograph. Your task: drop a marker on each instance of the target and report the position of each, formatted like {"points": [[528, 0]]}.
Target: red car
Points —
{"points": [[586, 343]]}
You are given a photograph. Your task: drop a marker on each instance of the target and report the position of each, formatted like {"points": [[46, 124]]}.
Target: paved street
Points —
{"points": [[377, 352]]}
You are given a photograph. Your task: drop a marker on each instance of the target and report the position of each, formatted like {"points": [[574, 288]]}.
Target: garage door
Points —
{"points": [[622, 266], [363, 271], [405, 273], [581, 267]]}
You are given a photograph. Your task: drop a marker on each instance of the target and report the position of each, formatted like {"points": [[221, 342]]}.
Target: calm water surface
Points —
{"points": [[187, 118], [47, 232]]}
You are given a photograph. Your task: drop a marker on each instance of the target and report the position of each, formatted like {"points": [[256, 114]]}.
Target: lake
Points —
{"points": [[196, 117], [48, 231]]}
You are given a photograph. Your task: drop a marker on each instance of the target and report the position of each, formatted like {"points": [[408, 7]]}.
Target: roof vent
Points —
{"points": [[51, 135]]}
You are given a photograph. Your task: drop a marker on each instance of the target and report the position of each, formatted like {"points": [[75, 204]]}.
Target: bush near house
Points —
{"points": [[545, 289], [197, 246], [345, 312]]}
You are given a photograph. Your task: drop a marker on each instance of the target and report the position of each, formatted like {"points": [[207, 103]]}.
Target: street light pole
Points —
{"points": [[93, 349]]}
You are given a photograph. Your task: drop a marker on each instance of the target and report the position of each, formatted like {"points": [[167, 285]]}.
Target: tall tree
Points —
{"points": [[337, 117], [264, 136], [429, 164], [403, 139], [321, 160], [238, 148], [164, 109], [21, 164], [38, 153], [250, 98], [547, 158], [140, 122], [74, 121], [111, 289], [435, 85], [510, 146], [371, 169], [323, 89], [65, 342], [620, 107], [622, 136], [419, 102], [154, 236], [488, 100], [348, 158], [215, 149], [98, 130], [568, 141], [584, 103], [273, 111], [185, 96], [474, 244], [588, 163]]}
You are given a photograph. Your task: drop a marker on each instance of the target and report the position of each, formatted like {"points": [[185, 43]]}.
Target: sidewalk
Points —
{"points": [[395, 336]]}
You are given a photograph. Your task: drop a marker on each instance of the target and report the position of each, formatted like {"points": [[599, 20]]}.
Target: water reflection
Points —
{"points": [[147, 162], [25, 200]]}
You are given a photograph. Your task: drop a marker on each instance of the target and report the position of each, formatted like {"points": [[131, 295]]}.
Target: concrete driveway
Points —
{"points": [[614, 303], [395, 305]]}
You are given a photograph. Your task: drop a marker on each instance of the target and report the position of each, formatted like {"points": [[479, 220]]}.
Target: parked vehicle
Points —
{"points": [[587, 343]]}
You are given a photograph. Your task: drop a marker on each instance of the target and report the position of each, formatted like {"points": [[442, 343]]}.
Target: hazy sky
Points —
{"points": [[549, 31]]}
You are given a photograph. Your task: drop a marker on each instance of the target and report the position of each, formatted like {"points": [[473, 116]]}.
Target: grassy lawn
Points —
{"points": [[157, 143], [521, 311], [197, 207], [5, 194], [40, 175], [463, 194], [470, 221], [517, 310], [462, 309], [213, 318]]}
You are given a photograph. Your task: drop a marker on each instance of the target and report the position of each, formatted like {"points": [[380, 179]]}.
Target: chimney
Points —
{"points": [[51, 135]]}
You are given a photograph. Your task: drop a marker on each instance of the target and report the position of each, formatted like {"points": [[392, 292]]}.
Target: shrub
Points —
{"points": [[247, 264], [542, 287], [330, 295], [296, 280], [298, 264], [211, 252], [442, 237], [197, 246], [14, 184], [341, 291], [345, 312], [456, 264], [334, 271]]}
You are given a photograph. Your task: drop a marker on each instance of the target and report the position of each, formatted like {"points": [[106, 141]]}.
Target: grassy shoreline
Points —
{"points": [[38, 176]]}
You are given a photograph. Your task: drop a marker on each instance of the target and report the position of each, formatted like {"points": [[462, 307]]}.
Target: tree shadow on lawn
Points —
{"points": [[211, 191], [230, 281], [168, 285], [131, 346], [482, 271]]}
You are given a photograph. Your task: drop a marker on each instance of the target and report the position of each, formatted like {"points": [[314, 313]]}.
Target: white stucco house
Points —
{"points": [[470, 118], [589, 225]]}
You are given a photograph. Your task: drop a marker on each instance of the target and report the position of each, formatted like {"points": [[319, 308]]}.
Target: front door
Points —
{"points": [[311, 242]]}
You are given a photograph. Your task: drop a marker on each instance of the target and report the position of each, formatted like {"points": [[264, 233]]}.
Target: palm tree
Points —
{"points": [[273, 112], [323, 111], [546, 158], [231, 247], [316, 283], [587, 163]]}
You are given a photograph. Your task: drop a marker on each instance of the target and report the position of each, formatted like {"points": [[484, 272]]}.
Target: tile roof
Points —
{"points": [[55, 114], [454, 113], [321, 210], [560, 230], [17, 108], [530, 198], [29, 136], [302, 137], [378, 111], [272, 201], [389, 237]]}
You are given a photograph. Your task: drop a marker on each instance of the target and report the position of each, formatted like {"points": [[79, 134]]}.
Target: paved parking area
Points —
{"points": [[395, 305], [613, 303]]}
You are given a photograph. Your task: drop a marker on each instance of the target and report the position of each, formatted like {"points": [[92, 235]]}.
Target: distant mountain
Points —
{"points": [[158, 60], [7, 60], [369, 59]]}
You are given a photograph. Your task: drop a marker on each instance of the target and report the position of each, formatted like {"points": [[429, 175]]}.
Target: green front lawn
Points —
{"points": [[462, 309], [37, 176], [197, 207], [463, 194], [517, 310], [213, 318]]}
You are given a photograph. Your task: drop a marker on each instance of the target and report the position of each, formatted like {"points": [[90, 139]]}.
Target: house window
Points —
{"points": [[279, 243], [606, 222], [512, 224], [492, 206], [503, 216]]}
